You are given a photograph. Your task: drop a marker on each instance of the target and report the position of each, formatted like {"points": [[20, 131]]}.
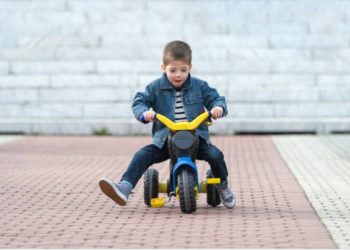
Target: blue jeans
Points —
{"points": [[151, 154]]}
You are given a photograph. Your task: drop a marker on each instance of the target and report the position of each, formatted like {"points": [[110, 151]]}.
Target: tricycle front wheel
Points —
{"points": [[186, 184]]}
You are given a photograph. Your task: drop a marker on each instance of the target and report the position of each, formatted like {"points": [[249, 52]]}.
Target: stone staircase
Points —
{"points": [[73, 66]]}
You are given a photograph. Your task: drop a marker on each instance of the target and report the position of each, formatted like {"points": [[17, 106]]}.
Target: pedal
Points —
{"points": [[157, 202], [213, 180]]}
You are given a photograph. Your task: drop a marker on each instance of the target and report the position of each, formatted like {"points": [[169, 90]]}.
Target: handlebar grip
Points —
{"points": [[210, 115], [142, 118], [209, 121]]}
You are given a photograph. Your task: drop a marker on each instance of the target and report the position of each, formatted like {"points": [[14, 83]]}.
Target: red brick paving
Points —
{"points": [[50, 199]]}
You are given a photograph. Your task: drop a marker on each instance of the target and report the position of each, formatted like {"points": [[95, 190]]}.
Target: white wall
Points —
{"points": [[72, 66]]}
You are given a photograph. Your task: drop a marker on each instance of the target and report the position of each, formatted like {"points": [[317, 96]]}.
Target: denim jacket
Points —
{"points": [[160, 95]]}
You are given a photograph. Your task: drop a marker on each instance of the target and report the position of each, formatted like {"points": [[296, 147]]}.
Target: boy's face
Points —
{"points": [[177, 72]]}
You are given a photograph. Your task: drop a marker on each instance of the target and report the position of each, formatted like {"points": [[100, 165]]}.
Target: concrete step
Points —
{"points": [[90, 109], [227, 126]]}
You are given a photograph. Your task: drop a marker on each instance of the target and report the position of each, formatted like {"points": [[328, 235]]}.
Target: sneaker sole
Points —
{"points": [[230, 206], [109, 190]]}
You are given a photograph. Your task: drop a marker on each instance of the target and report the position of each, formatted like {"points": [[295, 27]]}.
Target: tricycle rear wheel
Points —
{"points": [[213, 196], [150, 187]]}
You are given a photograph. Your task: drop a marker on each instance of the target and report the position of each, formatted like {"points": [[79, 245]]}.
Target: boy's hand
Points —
{"points": [[149, 115], [217, 112]]}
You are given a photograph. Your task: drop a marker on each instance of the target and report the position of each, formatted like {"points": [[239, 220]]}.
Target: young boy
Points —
{"points": [[180, 97]]}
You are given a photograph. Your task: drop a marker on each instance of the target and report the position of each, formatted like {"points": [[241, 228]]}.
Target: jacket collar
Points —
{"points": [[166, 84]]}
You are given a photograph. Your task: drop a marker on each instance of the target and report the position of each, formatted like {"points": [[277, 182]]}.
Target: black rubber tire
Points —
{"points": [[150, 185], [186, 184], [213, 196]]}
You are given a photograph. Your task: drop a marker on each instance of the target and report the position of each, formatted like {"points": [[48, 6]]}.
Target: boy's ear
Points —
{"points": [[163, 67]]}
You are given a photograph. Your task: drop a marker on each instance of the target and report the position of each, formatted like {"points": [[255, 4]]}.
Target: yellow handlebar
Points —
{"points": [[176, 126]]}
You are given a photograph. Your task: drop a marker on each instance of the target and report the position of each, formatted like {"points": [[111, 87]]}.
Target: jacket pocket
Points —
{"points": [[193, 99]]}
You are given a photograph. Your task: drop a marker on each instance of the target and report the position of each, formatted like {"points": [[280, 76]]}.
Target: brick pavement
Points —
{"points": [[50, 199]]}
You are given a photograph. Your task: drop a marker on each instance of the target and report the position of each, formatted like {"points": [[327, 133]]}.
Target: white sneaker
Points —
{"points": [[119, 192], [226, 195]]}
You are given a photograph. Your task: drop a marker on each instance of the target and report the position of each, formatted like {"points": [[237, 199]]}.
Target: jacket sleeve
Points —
{"points": [[143, 101], [212, 98]]}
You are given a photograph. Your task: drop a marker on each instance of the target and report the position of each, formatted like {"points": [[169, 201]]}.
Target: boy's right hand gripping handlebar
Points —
{"points": [[143, 120]]}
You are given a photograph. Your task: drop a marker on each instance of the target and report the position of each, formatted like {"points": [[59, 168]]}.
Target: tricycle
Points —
{"points": [[183, 181]]}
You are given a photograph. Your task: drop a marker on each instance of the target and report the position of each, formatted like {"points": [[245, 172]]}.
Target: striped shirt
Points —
{"points": [[180, 115]]}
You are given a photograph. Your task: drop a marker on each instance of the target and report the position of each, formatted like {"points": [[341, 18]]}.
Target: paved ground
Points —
{"points": [[293, 192], [322, 167]]}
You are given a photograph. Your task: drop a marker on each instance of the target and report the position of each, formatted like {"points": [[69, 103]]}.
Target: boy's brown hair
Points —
{"points": [[177, 50]]}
